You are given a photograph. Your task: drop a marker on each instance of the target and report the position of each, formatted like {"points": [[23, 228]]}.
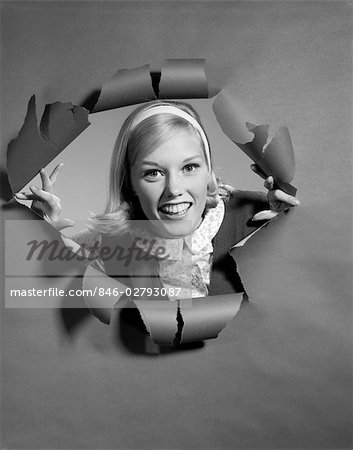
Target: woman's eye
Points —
{"points": [[191, 167], [152, 173]]}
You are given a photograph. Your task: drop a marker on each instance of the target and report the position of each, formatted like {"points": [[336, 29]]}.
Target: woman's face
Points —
{"points": [[171, 185]]}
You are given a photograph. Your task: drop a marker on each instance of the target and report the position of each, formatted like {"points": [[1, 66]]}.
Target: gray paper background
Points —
{"points": [[280, 375]]}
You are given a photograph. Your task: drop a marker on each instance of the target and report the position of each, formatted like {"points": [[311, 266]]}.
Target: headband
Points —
{"points": [[170, 109]]}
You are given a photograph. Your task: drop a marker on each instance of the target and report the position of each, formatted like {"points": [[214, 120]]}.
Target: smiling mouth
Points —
{"points": [[175, 209]]}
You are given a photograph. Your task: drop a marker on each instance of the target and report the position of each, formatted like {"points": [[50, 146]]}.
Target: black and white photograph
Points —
{"points": [[176, 199]]}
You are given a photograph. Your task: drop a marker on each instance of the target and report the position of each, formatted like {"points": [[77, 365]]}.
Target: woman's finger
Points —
{"points": [[279, 196], [265, 215], [24, 196], [46, 197], [255, 168], [54, 175], [46, 183], [269, 183]]}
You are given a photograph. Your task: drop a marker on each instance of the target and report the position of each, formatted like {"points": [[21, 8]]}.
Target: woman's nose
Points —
{"points": [[174, 185]]}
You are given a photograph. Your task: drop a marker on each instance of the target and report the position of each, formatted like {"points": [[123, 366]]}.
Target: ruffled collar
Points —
{"points": [[200, 241]]}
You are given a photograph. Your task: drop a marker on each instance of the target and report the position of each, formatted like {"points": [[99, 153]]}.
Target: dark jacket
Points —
{"points": [[237, 224]]}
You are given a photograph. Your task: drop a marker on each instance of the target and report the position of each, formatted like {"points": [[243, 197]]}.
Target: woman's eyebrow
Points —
{"points": [[190, 158], [155, 164], [150, 163]]}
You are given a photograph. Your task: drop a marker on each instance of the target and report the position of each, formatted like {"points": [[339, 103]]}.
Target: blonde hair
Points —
{"points": [[138, 136]]}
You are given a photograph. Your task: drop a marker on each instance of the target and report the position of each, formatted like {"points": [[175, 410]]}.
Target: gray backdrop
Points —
{"points": [[279, 376]]}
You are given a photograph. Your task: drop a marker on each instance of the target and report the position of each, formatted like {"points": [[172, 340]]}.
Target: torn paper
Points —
{"points": [[206, 317], [274, 156], [126, 87], [167, 322], [33, 149], [101, 293], [246, 238], [184, 321], [180, 78], [160, 320], [62, 123], [183, 78]]}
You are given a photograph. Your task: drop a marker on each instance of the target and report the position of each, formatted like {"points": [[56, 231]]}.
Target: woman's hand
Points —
{"points": [[279, 201], [45, 202]]}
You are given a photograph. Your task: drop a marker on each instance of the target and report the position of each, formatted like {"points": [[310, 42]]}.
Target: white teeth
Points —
{"points": [[180, 208]]}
